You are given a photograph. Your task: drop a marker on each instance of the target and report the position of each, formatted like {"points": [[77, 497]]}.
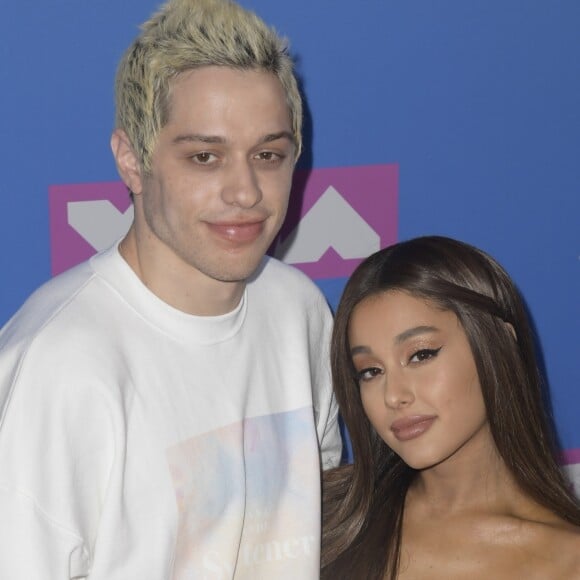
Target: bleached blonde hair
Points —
{"points": [[188, 34]]}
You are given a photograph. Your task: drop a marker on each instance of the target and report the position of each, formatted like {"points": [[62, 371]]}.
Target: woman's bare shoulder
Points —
{"points": [[570, 547], [570, 555], [558, 542]]}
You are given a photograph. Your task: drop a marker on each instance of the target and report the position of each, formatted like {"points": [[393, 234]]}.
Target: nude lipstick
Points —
{"points": [[408, 428]]}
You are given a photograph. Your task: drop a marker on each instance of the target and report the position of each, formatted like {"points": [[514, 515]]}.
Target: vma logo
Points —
{"points": [[85, 219], [336, 218]]}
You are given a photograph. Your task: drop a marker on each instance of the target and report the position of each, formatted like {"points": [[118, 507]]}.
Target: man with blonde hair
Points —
{"points": [[165, 407]]}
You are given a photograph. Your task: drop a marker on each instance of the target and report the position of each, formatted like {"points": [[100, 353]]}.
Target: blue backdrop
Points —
{"points": [[478, 103]]}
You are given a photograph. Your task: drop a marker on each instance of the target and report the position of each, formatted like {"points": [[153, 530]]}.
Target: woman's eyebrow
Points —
{"points": [[416, 330]]}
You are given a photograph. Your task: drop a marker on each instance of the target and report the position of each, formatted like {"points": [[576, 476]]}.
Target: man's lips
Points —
{"points": [[237, 232], [410, 427]]}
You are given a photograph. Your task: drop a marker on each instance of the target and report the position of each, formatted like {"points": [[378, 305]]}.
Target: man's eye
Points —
{"points": [[424, 354], [203, 158], [269, 156], [365, 375]]}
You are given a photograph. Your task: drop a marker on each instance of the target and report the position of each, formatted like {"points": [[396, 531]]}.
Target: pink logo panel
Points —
{"points": [[84, 218], [336, 218], [339, 216]]}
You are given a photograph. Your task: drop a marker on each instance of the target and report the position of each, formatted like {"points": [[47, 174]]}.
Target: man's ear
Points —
{"points": [[127, 163]]}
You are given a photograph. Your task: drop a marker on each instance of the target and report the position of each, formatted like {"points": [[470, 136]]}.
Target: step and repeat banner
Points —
{"points": [[453, 118]]}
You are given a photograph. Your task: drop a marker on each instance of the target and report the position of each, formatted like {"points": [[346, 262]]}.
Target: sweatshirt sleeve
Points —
{"points": [[325, 406], [56, 449], [33, 545]]}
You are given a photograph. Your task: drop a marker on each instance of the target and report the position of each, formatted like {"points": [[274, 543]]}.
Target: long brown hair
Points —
{"points": [[363, 502]]}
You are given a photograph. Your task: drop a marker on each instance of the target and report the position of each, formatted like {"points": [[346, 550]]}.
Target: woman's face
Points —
{"points": [[418, 381]]}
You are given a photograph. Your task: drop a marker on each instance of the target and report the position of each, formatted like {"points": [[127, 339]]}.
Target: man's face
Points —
{"points": [[221, 174]]}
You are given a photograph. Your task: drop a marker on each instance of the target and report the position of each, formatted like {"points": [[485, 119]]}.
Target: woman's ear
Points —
{"points": [[512, 330]]}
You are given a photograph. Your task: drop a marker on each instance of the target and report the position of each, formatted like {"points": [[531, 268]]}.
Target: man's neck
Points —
{"points": [[183, 288]]}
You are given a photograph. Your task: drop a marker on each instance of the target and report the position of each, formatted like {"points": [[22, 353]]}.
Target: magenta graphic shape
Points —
{"points": [[369, 195], [67, 247], [371, 191]]}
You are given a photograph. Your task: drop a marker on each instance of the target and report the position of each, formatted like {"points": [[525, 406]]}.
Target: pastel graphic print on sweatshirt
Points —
{"points": [[247, 491]]}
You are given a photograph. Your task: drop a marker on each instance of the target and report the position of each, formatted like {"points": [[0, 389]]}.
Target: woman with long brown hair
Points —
{"points": [[455, 472]]}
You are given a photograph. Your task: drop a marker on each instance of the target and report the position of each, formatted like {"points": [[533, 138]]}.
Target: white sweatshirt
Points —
{"points": [[141, 443]]}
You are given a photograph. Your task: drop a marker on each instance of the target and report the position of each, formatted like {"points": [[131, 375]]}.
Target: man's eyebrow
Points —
{"points": [[217, 140], [280, 135], [198, 138]]}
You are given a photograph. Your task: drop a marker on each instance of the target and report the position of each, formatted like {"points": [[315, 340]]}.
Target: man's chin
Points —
{"points": [[237, 272]]}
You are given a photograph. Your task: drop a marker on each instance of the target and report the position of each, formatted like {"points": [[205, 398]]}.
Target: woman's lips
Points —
{"points": [[410, 427]]}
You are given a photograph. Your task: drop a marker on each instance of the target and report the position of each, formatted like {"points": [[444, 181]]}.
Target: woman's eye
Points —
{"points": [[424, 354], [368, 374]]}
